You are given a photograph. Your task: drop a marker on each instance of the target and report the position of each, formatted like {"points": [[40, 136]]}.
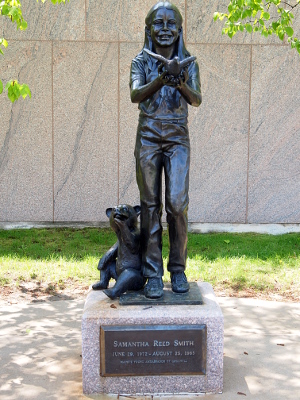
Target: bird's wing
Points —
{"points": [[157, 56], [187, 61]]}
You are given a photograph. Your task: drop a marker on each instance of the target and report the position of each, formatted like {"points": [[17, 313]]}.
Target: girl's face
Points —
{"points": [[164, 27]]}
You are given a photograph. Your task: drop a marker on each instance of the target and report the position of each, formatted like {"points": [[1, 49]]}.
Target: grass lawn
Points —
{"points": [[235, 264]]}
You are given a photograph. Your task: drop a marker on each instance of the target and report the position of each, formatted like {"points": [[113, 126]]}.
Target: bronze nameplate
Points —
{"points": [[152, 350]]}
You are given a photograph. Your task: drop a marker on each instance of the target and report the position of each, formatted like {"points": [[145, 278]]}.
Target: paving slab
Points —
{"points": [[40, 352]]}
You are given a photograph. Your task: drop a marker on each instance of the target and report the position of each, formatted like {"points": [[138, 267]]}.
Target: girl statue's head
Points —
{"points": [[166, 5], [164, 28]]}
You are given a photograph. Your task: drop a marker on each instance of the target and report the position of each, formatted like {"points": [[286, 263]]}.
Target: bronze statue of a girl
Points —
{"points": [[162, 143]]}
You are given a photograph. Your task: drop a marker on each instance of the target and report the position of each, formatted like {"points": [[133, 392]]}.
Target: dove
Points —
{"points": [[174, 66]]}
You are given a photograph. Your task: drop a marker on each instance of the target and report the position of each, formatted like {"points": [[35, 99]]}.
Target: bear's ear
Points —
{"points": [[137, 209], [108, 212]]}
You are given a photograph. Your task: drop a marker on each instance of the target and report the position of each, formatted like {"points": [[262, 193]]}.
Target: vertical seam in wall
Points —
{"points": [[85, 8], [52, 132], [118, 191], [249, 126]]}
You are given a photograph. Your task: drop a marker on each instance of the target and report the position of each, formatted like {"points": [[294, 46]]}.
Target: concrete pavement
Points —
{"points": [[40, 351]]}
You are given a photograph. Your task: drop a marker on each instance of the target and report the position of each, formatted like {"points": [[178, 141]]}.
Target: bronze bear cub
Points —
{"points": [[123, 261]]}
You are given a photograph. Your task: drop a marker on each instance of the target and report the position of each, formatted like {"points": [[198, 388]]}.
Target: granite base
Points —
{"points": [[99, 311]]}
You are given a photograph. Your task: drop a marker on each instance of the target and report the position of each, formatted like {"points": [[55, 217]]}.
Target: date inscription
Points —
{"points": [[152, 350]]}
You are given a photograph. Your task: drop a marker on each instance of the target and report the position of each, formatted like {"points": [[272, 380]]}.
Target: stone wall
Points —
{"points": [[67, 154]]}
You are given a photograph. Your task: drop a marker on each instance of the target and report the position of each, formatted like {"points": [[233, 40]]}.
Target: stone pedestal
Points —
{"points": [[99, 311]]}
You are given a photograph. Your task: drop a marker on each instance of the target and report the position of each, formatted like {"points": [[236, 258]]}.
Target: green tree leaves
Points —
{"points": [[54, 1], [4, 43], [269, 17], [15, 90], [289, 31], [12, 9]]}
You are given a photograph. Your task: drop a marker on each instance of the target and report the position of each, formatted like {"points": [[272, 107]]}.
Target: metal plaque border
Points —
{"points": [[109, 328]]}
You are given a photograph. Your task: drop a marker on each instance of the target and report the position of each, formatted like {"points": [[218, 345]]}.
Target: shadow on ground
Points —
{"points": [[41, 351]]}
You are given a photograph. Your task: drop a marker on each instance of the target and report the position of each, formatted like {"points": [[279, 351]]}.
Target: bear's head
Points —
{"points": [[123, 213]]}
